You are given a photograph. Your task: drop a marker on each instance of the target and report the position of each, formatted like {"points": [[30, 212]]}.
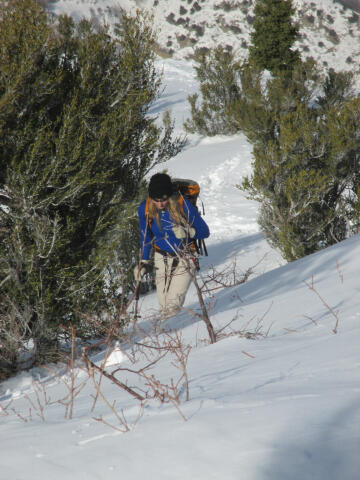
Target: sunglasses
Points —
{"points": [[160, 200]]}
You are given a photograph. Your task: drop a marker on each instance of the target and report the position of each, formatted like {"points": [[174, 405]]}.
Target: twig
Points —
{"points": [[100, 419], [331, 310], [4, 411], [311, 319], [23, 419], [339, 272], [112, 378], [162, 391], [248, 354], [205, 316]]}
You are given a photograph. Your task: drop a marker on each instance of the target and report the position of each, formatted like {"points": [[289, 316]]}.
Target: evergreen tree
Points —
{"points": [[218, 74], [304, 129], [76, 141], [306, 134], [274, 36], [221, 76]]}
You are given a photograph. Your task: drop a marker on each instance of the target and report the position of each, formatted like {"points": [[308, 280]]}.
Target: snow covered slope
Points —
{"points": [[329, 31], [280, 405]]}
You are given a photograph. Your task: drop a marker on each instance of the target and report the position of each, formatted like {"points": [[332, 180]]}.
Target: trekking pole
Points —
{"points": [[202, 241], [137, 296], [204, 247]]}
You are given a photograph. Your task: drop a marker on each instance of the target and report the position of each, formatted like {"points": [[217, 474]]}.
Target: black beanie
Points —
{"points": [[160, 185]]}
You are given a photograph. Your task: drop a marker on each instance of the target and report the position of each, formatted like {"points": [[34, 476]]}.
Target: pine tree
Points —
{"points": [[274, 36], [76, 141]]}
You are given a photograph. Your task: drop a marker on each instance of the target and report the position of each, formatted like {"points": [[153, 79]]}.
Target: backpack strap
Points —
{"points": [[147, 213], [180, 201]]}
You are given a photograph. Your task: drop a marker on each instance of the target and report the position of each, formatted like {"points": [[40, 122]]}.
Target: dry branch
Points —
{"points": [[326, 305]]}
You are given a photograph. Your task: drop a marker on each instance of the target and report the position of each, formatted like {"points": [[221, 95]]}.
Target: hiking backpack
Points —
{"points": [[190, 190]]}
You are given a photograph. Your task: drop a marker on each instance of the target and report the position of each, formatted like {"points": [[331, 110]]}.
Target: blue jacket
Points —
{"points": [[163, 237]]}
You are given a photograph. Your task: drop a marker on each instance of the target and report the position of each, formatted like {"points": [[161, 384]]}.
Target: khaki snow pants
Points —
{"points": [[173, 278]]}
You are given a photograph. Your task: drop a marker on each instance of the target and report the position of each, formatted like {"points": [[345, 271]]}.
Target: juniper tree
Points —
{"points": [[304, 128], [217, 71], [221, 76], [274, 36], [305, 132], [76, 140]]}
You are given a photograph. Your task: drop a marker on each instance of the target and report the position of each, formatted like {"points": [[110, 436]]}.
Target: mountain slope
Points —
{"points": [[277, 399], [279, 407], [329, 31]]}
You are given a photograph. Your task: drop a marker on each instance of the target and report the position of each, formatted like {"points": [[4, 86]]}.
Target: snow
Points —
{"points": [[277, 406], [329, 32]]}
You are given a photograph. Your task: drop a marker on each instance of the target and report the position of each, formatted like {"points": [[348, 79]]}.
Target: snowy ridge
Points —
{"points": [[329, 31], [280, 405]]}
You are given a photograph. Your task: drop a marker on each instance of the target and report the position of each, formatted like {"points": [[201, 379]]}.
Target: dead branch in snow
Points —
{"points": [[311, 287]]}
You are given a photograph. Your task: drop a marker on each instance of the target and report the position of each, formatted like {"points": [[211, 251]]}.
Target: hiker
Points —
{"points": [[170, 223]]}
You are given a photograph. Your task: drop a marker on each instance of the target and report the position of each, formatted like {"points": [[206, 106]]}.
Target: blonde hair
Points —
{"points": [[174, 210]]}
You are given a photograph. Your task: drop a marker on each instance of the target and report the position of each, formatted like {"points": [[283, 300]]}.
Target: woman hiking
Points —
{"points": [[171, 225]]}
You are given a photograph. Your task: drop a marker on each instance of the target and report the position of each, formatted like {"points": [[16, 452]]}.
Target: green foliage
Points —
{"points": [[304, 129], [306, 134], [274, 36], [76, 140], [217, 72], [223, 80]]}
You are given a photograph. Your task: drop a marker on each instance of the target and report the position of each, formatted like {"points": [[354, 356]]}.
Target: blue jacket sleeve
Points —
{"points": [[196, 221], [145, 233]]}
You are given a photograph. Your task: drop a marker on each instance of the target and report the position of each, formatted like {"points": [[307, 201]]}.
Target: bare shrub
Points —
{"points": [[145, 349], [215, 280], [252, 329], [155, 346], [333, 313]]}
